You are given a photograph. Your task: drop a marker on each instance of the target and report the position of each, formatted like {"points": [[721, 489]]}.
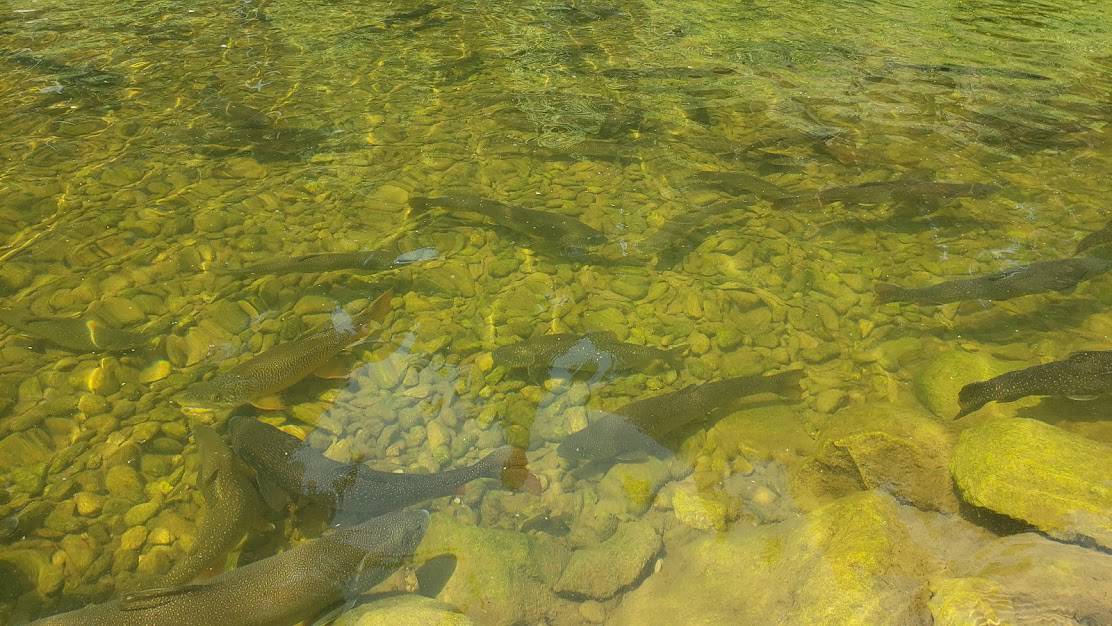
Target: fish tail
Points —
{"points": [[674, 356], [887, 292], [786, 384], [376, 312]]}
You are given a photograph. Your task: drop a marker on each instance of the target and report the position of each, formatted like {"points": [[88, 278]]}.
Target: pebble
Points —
{"points": [[140, 513], [88, 504], [830, 400], [133, 538], [698, 343], [243, 167]]}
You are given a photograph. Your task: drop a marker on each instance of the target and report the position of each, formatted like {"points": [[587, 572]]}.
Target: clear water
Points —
{"points": [[719, 148]]}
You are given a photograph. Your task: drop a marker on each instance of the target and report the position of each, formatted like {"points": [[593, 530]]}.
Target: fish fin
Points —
{"points": [[269, 403], [338, 367], [151, 598], [887, 292], [273, 496], [787, 383], [376, 312], [1083, 398]]}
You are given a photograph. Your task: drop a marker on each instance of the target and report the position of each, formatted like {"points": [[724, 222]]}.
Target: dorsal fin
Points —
{"points": [[151, 598]]}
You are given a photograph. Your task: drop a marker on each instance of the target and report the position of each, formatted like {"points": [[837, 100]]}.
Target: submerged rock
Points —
{"points": [[860, 560], [938, 384], [406, 610], [496, 577], [901, 451], [1031, 471], [1026, 579], [601, 571]]}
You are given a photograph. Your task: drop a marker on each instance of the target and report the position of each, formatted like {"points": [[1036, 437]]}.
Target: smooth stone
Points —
{"points": [[118, 311], [88, 504], [830, 400], [122, 481], [938, 383], [601, 571], [592, 611], [698, 511], [140, 513], [311, 304], [133, 538], [243, 167], [80, 552], [404, 610], [631, 487], [1031, 471]]}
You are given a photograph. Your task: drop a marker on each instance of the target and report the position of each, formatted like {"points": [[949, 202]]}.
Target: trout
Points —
{"points": [[281, 590], [365, 261], [350, 490], [1101, 237], [79, 335], [591, 352], [1040, 277], [257, 380], [644, 425], [1081, 375], [231, 505]]}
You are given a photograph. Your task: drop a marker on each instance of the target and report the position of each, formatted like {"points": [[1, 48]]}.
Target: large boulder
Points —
{"points": [[899, 450], [1026, 579], [1031, 471], [864, 559], [601, 571], [496, 577]]}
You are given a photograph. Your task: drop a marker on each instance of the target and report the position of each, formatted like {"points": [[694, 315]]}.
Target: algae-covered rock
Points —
{"points": [[876, 446], [855, 561], [698, 510], [1029, 470], [498, 577], [405, 610], [601, 571], [1026, 579], [938, 384], [631, 487], [24, 448]]}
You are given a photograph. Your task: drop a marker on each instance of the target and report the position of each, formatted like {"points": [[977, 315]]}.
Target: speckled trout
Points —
{"points": [[643, 425], [1081, 375], [232, 505], [1040, 277], [363, 261], [79, 335], [257, 380], [352, 491], [590, 352], [281, 590], [1101, 237]]}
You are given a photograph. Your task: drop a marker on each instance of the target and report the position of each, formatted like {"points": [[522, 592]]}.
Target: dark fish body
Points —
{"points": [[645, 424], [736, 182], [533, 224], [365, 260], [592, 352], [1101, 237], [665, 73], [231, 505], [954, 69], [887, 191], [281, 590], [1081, 374], [352, 490], [1040, 277], [79, 335], [283, 365]]}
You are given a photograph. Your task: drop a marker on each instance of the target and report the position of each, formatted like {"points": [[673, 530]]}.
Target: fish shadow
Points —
{"points": [[1055, 409]]}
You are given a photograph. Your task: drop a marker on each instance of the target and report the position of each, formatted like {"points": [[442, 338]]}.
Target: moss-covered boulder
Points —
{"points": [[861, 560], [496, 577], [1025, 579], [938, 383], [899, 450], [601, 571], [404, 610], [1031, 471]]}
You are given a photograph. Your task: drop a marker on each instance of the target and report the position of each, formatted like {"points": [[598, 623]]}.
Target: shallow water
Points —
{"points": [[755, 170]]}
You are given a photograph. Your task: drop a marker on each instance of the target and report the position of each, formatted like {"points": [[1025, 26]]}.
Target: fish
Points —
{"points": [[1080, 375], [543, 227], [968, 70], [1038, 277], [352, 491], [739, 182], [232, 505], [280, 590], [665, 73], [1099, 238], [258, 380], [364, 260], [77, 334], [594, 352], [901, 191], [644, 425]]}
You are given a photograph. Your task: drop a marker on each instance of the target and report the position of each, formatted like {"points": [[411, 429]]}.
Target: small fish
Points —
{"points": [[739, 182], [232, 504], [968, 70], [1101, 237], [665, 73], [366, 260], [353, 490], [259, 379], [644, 425], [79, 335], [591, 353], [286, 588], [1040, 277], [543, 227], [1081, 375], [903, 191]]}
